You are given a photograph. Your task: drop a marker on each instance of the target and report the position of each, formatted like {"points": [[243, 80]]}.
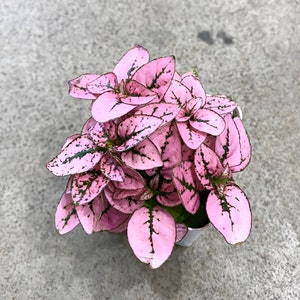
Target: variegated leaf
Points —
{"points": [[103, 132], [187, 186], [78, 156], [111, 168], [151, 235], [103, 83], [88, 125], [136, 129], [78, 86], [208, 121], [245, 146], [108, 218], [143, 156], [232, 145], [109, 107], [98, 134], [230, 214], [177, 76], [70, 139], [137, 94], [130, 62], [194, 85], [193, 105], [187, 153], [220, 104], [168, 195], [66, 218], [119, 194], [126, 204], [88, 185], [177, 94], [157, 74], [89, 213], [164, 111], [210, 142], [207, 165], [191, 137], [167, 140], [133, 180]]}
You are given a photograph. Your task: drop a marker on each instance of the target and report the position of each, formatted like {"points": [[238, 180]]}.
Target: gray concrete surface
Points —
{"points": [[247, 49]]}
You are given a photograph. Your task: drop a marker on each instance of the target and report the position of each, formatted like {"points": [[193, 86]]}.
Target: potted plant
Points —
{"points": [[155, 158]]}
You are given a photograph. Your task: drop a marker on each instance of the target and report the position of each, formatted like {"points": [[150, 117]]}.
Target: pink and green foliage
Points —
{"points": [[143, 156], [79, 156], [66, 218], [156, 156], [229, 212], [207, 166], [86, 186], [187, 186], [151, 235], [232, 145], [168, 195], [78, 86], [156, 75]]}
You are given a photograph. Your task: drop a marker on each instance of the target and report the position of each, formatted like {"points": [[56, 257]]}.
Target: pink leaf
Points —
{"points": [[151, 235], [111, 168], [98, 134], [230, 214], [220, 104], [186, 184], [135, 129], [78, 86], [86, 186], [208, 121], [194, 86], [65, 217], [177, 76], [78, 156], [227, 144], [89, 213], [245, 146], [187, 153], [102, 132], [70, 139], [143, 156], [103, 83], [108, 107], [108, 218], [136, 195], [130, 62], [167, 140], [232, 145], [133, 180], [168, 194], [177, 94], [193, 105], [137, 94], [88, 125], [157, 74], [191, 137], [165, 111], [126, 204], [181, 231], [210, 142], [207, 165]]}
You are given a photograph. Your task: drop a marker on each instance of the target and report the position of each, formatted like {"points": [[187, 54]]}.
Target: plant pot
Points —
{"points": [[238, 112], [191, 236]]}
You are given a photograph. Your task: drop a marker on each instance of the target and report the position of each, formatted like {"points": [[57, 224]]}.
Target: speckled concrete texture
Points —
{"points": [[247, 49]]}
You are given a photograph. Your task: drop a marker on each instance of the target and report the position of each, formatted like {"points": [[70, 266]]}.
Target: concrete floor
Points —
{"points": [[247, 49]]}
